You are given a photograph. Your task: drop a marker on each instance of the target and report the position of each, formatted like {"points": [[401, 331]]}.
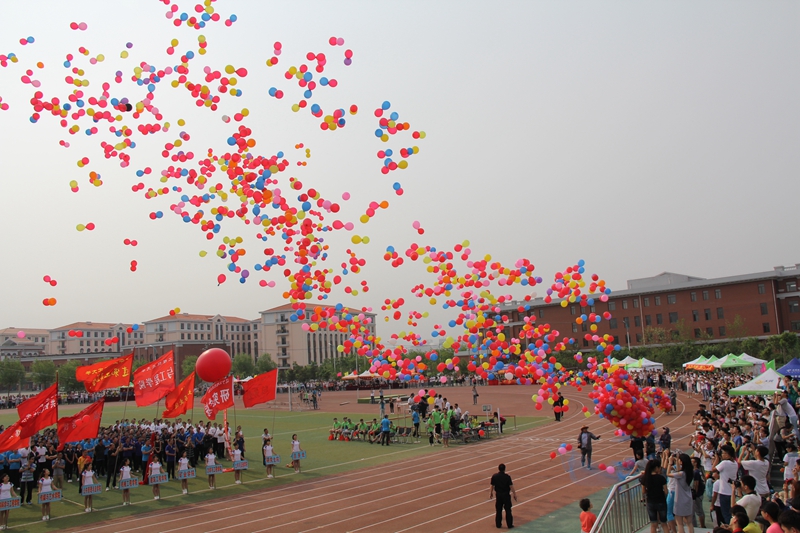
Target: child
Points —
{"points": [[183, 464], [155, 468], [268, 452], [587, 517], [211, 461], [87, 478], [45, 485], [125, 473], [6, 493], [237, 456], [789, 462], [431, 431], [296, 448]]}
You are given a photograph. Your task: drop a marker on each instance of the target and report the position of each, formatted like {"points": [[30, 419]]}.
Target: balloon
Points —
{"points": [[213, 365], [21, 334], [610, 469]]}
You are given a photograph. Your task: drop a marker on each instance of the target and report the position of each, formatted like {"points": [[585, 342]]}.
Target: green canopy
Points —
{"points": [[712, 359], [732, 361], [764, 385]]}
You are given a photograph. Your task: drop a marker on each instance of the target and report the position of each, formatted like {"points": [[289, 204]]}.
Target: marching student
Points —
{"points": [[268, 452], [87, 478], [45, 485], [211, 461], [296, 448], [155, 468], [236, 455], [125, 473], [6, 493], [183, 464]]}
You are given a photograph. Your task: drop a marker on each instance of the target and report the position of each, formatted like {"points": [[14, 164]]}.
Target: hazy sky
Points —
{"points": [[641, 137]]}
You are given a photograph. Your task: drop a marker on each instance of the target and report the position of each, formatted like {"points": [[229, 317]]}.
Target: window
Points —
{"points": [[658, 300], [673, 318], [585, 327], [202, 336], [705, 295], [718, 294], [81, 343], [592, 309], [647, 302], [720, 313], [659, 319], [764, 309], [722, 331], [710, 332], [637, 321], [761, 288], [182, 326], [183, 336], [195, 336], [693, 296], [573, 309], [638, 337], [612, 306], [574, 327], [612, 323], [765, 327], [671, 299], [695, 316], [626, 322], [791, 286], [636, 303], [624, 304], [697, 333], [708, 314], [541, 313], [795, 326], [585, 343], [794, 307], [195, 327], [648, 320]]}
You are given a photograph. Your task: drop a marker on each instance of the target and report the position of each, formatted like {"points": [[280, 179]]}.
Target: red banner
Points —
{"points": [[106, 374], [218, 397], [260, 389], [703, 368], [82, 425], [10, 439], [154, 380], [179, 400], [39, 411]]}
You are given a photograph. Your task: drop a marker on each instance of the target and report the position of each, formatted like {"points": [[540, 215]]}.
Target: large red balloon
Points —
{"points": [[213, 365]]}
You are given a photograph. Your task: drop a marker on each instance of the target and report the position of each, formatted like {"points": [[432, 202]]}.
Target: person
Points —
{"points": [[211, 461], [155, 468], [654, 486], [169, 451], [727, 472], [58, 471], [87, 478], [751, 501], [475, 395], [372, 397], [770, 512], [237, 474], [789, 462], [683, 508], [183, 464], [268, 452], [415, 421], [386, 426], [45, 485], [665, 440], [6, 493], [336, 429], [713, 493], [26, 481], [698, 490], [741, 522], [112, 465], [557, 405], [754, 459], [585, 444], [296, 448], [69, 458], [639, 465], [446, 423], [14, 465], [587, 517], [125, 473], [502, 485]]}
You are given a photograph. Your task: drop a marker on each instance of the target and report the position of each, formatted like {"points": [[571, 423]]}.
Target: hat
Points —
{"points": [[584, 427]]}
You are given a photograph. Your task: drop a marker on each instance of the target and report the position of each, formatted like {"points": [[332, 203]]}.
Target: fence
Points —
{"points": [[623, 510]]}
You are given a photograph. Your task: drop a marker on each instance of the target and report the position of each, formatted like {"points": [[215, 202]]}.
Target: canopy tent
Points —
{"points": [[645, 364], [792, 368], [245, 380], [627, 361], [711, 360], [764, 385], [731, 361], [751, 359], [364, 375], [699, 361]]}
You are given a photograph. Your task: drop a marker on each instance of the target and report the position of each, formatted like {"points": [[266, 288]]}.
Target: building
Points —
{"points": [[290, 344], [93, 338], [657, 309], [33, 343], [238, 333]]}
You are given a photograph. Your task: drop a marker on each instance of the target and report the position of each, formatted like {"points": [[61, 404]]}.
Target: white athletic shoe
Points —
{"points": [[44, 518], [107, 489], [270, 476], [155, 497]]}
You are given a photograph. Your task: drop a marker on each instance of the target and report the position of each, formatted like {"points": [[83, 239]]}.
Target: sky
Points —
{"points": [[640, 137]]}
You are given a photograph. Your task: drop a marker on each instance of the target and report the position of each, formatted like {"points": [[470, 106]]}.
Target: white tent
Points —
{"points": [[751, 359], [645, 364], [731, 361], [764, 385], [699, 361], [627, 361]]}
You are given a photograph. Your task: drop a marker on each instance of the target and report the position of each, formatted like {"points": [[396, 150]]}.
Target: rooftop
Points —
{"points": [[188, 317]]}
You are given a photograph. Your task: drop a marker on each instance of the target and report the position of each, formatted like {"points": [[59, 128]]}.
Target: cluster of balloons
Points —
{"points": [[619, 399]]}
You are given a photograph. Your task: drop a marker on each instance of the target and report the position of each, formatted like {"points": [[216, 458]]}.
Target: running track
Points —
{"points": [[445, 491]]}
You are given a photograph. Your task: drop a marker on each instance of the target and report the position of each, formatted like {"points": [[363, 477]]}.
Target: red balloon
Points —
{"points": [[213, 365]]}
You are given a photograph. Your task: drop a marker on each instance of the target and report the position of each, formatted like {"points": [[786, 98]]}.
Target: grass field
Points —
{"points": [[324, 458]]}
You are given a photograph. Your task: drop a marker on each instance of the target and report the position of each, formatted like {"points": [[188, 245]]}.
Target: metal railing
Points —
{"points": [[623, 510]]}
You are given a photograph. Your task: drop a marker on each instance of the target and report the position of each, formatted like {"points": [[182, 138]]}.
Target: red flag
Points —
{"points": [[83, 425], [261, 388], [10, 439], [179, 400], [39, 411], [218, 397], [106, 374], [154, 380]]}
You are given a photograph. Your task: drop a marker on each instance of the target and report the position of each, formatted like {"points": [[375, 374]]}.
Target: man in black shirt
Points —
{"points": [[501, 483]]}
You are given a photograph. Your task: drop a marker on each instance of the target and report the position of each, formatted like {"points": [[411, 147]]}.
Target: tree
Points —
{"points": [[265, 364], [137, 363], [243, 366], [736, 329], [187, 367], [43, 373], [66, 377], [11, 373]]}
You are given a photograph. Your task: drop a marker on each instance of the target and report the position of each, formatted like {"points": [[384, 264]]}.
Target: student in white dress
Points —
{"points": [[296, 448], [183, 464], [125, 473], [155, 468], [45, 485], [87, 478], [6, 493], [211, 461], [268, 452], [236, 455]]}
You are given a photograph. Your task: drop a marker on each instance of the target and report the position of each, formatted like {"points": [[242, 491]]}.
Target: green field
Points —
{"points": [[324, 458]]}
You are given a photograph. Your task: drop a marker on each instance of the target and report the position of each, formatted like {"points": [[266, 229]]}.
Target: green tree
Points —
{"points": [[11, 373], [265, 364], [66, 377], [736, 329], [138, 363], [43, 373], [243, 366], [187, 367]]}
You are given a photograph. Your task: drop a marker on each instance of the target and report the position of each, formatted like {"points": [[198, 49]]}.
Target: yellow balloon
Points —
{"points": [[203, 253]]}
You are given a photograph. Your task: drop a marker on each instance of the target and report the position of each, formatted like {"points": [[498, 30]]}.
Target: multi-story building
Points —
{"points": [[33, 342], [289, 343], [93, 338], [657, 309], [238, 333]]}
